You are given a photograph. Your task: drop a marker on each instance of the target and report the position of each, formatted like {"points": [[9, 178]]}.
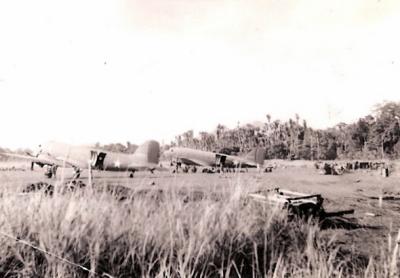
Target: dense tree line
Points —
{"points": [[374, 136]]}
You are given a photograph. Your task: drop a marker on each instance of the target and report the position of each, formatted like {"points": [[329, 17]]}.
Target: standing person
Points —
{"points": [[53, 170], [177, 166]]}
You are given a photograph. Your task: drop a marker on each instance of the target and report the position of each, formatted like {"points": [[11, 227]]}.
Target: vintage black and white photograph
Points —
{"points": [[199, 138]]}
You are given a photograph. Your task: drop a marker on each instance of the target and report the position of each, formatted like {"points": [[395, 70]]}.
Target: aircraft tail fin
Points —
{"points": [[150, 151], [257, 155]]}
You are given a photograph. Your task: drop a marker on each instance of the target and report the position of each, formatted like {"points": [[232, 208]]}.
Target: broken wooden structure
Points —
{"points": [[296, 203]]}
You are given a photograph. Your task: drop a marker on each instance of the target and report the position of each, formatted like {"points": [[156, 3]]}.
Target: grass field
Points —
{"points": [[197, 225]]}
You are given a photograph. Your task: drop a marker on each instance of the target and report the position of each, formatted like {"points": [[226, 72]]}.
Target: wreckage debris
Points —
{"points": [[44, 187], [73, 186], [120, 192], [339, 168], [210, 171], [330, 168], [297, 204], [13, 168], [48, 189], [385, 198], [268, 169]]}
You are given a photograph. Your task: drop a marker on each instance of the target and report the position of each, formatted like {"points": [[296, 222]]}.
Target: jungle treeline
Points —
{"points": [[374, 136]]}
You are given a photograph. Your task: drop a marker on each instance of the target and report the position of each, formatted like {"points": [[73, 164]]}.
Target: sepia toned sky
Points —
{"points": [[84, 71]]}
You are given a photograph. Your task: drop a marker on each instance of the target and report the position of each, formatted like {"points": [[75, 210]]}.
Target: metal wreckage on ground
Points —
{"points": [[297, 204]]}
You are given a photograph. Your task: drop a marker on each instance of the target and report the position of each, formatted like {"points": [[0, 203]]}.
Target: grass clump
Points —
{"points": [[159, 233]]}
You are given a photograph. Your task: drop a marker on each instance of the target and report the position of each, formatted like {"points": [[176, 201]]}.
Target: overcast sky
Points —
{"points": [[83, 71]]}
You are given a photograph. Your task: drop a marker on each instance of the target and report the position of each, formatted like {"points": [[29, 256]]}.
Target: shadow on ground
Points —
{"points": [[339, 222]]}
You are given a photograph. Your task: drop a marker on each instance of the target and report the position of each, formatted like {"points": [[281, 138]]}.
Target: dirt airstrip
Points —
{"points": [[367, 229]]}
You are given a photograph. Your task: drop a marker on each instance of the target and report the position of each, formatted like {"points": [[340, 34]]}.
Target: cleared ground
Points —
{"points": [[369, 226], [368, 230]]}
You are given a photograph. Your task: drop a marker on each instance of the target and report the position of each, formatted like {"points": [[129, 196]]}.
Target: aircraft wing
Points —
{"points": [[19, 156], [145, 166], [249, 164], [190, 161], [71, 163], [246, 164], [241, 162], [43, 160]]}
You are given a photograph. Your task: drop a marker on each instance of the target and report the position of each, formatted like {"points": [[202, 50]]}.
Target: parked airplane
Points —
{"points": [[55, 154], [192, 157]]}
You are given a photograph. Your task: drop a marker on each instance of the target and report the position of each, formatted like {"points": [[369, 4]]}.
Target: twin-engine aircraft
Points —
{"points": [[192, 157], [55, 155]]}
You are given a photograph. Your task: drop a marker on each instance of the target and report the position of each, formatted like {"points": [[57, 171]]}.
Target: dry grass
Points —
{"points": [[171, 233]]}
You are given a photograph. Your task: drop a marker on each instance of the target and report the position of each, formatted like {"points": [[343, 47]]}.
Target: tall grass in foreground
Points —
{"points": [[167, 234]]}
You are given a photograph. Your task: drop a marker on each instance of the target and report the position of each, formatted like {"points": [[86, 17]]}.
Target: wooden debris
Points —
{"points": [[300, 204]]}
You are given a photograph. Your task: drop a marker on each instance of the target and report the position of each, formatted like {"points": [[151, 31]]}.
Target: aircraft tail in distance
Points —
{"points": [[257, 155], [149, 152]]}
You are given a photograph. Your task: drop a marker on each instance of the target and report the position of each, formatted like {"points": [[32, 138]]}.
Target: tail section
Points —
{"points": [[257, 155], [149, 152]]}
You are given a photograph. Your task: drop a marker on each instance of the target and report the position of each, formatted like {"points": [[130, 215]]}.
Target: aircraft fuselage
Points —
{"points": [[85, 157], [209, 159]]}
